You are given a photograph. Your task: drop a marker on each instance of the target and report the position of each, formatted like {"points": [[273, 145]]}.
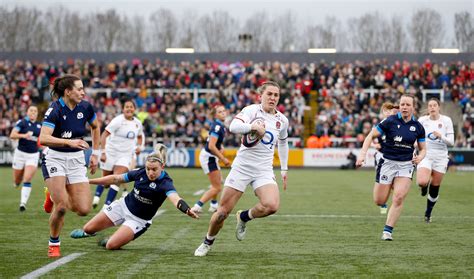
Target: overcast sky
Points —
{"points": [[307, 11]]}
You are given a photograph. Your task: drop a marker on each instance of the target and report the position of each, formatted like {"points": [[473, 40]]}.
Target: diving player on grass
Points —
{"points": [[135, 212]]}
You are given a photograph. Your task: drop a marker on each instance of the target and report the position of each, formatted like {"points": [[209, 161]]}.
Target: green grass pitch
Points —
{"points": [[327, 226]]}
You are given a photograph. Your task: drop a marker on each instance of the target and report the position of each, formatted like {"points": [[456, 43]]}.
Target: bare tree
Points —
{"points": [[398, 35], [109, 25], [164, 29], [323, 36], [188, 35], [132, 36], [286, 32], [367, 32], [426, 30], [464, 31], [219, 31], [259, 26], [9, 28]]}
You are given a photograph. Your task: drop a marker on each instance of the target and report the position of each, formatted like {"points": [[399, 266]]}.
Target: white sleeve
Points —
{"points": [[237, 126], [113, 125], [240, 124], [283, 150], [449, 137]]}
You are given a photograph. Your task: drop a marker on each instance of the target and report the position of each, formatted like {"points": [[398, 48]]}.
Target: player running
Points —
{"points": [[430, 172], [26, 155]]}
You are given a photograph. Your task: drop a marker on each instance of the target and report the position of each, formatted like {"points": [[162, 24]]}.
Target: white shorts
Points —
{"points": [[119, 214], [22, 159], [72, 165], [208, 162], [377, 156], [436, 163], [387, 170], [123, 160], [239, 181]]}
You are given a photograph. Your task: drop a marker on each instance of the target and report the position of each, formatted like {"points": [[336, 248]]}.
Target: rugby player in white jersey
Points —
{"points": [[439, 135], [120, 140], [263, 128]]}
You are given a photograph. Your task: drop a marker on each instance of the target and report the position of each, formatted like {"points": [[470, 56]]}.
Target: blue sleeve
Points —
{"points": [[131, 176], [216, 130], [382, 127], [51, 117], [168, 187], [19, 125], [91, 116], [421, 134]]}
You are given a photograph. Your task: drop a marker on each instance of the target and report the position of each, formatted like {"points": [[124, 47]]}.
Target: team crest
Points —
{"points": [[278, 124], [80, 115], [440, 125], [152, 185], [412, 128]]}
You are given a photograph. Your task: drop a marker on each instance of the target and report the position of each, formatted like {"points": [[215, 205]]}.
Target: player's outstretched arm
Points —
{"points": [[109, 179], [182, 205]]}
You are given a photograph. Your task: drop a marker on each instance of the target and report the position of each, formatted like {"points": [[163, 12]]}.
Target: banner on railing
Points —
{"points": [[327, 157]]}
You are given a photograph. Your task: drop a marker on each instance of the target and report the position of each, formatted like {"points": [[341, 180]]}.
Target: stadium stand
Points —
{"points": [[174, 97]]}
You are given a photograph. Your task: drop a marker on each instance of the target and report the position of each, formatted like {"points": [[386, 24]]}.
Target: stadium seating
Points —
{"points": [[174, 98]]}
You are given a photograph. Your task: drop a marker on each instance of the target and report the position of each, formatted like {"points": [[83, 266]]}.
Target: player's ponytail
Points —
{"points": [[158, 155]]}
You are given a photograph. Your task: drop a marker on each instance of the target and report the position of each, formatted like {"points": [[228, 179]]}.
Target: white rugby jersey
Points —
{"points": [[444, 125], [260, 157], [124, 134]]}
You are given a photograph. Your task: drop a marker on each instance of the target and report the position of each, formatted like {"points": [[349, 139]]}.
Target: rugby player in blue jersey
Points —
{"points": [[395, 168], [134, 212], [64, 165], [26, 155]]}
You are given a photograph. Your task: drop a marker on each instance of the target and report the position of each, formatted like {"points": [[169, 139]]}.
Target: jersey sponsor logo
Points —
{"points": [[431, 136], [130, 135], [152, 185], [66, 135], [412, 128], [398, 138], [80, 115]]}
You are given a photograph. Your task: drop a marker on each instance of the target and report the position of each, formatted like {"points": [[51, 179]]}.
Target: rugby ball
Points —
{"points": [[251, 139]]}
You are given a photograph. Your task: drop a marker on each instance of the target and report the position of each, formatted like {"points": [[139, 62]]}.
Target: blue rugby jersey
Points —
{"points": [[147, 196], [24, 126], [400, 137], [68, 124], [217, 130]]}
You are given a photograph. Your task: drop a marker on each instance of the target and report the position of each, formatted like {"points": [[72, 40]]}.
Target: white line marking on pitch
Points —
{"points": [[47, 268], [362, 216], [159, 212], [200, 192]]}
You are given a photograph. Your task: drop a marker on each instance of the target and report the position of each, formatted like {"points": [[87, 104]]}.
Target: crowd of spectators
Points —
{"points": [[345, 109]]}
